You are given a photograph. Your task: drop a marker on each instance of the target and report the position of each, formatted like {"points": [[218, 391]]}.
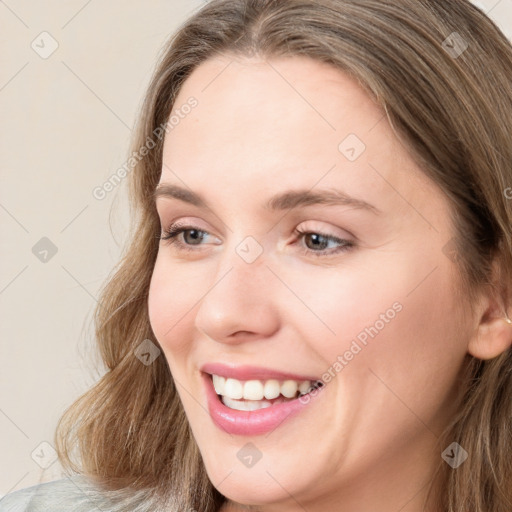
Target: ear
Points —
{"points": [[493, 334], [493, 337]]}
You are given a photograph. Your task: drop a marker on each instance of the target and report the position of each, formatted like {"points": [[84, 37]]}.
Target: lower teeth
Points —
{"points": [[251, 405]]}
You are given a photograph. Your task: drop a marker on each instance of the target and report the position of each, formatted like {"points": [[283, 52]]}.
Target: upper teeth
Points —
{"points": [[257, 389]]}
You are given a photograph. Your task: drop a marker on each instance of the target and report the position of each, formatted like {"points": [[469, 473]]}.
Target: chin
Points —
{"points": [[262, 484]]}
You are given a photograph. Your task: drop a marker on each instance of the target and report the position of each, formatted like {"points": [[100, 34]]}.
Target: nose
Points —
{"points": [[239, 303]]}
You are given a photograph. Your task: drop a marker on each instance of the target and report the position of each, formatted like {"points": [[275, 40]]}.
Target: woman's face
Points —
{"points": [[362, 296]]}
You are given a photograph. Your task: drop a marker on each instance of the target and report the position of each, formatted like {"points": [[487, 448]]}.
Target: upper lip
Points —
{"points": [[247, 372]]}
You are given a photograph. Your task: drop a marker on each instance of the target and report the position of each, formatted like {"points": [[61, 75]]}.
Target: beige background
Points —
{"points": [[66, 122]]}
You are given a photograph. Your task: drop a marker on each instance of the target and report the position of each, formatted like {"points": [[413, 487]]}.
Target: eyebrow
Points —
{"points": [[282, 201]]}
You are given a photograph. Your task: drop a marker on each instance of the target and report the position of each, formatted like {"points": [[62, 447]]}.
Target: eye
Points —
{"points": [[318, 243], [192, 235], [184, 237]]}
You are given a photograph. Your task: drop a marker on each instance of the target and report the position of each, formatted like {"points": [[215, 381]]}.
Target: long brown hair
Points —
{"points": [[442, 72]]}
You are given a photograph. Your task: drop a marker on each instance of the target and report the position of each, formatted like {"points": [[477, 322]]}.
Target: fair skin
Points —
{"points": [[370, 442]]}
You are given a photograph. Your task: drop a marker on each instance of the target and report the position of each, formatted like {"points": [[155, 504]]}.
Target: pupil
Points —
{"points": [[196, 237], [317, 240]]}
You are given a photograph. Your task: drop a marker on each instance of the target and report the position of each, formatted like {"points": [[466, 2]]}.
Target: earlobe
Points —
{"points": [[493, 337]]}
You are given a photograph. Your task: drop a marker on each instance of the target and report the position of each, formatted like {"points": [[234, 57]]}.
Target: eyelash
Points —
{"points": [[172, 233]]}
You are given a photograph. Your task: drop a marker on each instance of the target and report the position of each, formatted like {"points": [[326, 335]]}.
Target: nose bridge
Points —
{"points": [[243, 267], [239, 298]]}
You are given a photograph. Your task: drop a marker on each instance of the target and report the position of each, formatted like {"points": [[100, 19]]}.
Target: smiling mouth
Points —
{"points": [[252, 395]]}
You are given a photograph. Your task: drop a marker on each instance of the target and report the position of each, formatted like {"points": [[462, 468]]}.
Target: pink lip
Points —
{"points": [[252, 372], [251, 423]]}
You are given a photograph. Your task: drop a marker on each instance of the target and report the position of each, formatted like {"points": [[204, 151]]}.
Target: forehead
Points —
{"points": [[259, 115], [281, 103], [286, 123]]}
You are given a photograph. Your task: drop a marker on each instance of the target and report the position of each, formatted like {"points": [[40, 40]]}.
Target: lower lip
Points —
{"points": [[251, 423]]}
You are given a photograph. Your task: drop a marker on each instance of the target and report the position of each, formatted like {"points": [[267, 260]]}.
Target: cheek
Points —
{"points": [[409, 360], [388, 319], [397, 351], [171, 297], [344, 303]]}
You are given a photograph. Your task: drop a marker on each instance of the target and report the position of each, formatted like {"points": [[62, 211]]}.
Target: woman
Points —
{"points": [[313, 311]]}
